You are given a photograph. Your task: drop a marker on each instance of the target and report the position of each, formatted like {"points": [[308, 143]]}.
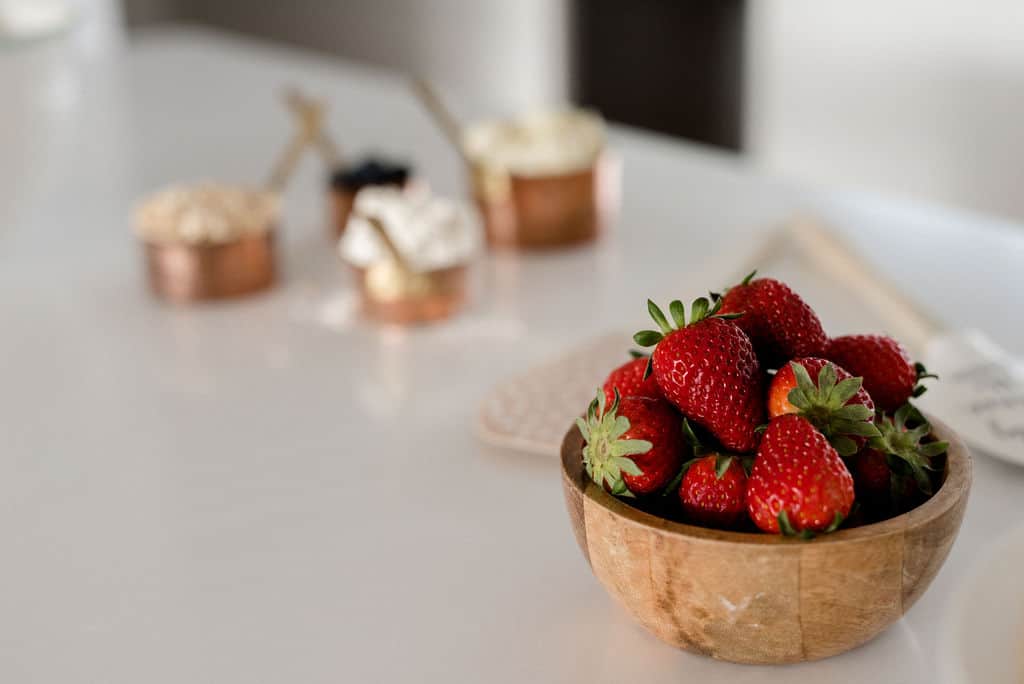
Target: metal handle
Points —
{"points": [[442, 116]]}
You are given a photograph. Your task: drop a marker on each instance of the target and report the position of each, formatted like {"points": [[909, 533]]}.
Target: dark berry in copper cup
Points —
{"points": [[346, 181]]}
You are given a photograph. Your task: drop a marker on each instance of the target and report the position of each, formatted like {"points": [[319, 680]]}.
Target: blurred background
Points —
{"points": [[901, 97]]}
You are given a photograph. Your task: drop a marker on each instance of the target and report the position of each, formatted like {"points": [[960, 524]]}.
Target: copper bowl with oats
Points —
{"points": [[184, 272], [208, 241]]}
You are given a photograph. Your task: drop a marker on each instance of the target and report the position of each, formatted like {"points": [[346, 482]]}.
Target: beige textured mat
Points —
{"points": [[531, 412]]}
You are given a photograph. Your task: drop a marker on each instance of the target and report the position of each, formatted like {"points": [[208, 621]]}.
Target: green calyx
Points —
{"points": [[722, 463], [606, 454], [787, 529], [824, 405], [922, 373], [694, 442], [700, 310], [715, 296], [903, 448], [698, 451]]}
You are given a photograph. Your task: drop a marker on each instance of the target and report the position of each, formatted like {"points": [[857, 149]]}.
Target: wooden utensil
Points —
{"points": [[310, 116], [759, 598], [442, 116]]}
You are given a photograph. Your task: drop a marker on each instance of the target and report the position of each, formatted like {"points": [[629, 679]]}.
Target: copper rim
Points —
{"points": [[544, 211], [446, 297], [181, 272]]}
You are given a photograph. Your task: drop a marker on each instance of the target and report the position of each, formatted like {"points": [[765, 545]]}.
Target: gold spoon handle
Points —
{"points": [[310, 115], [311, 111], [285, 164], [389, 244], [442, 116]]}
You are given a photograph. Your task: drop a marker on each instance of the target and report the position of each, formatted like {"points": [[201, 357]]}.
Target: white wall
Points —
{"points": [[507, 53], [911, 97]]}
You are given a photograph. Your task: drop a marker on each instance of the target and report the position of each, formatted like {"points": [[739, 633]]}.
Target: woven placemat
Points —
{"points": [[531, 411]]}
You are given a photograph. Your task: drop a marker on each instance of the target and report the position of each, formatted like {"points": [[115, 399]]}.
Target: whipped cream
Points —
{"points": [[431, 232], [539, 143], [207, 213]]}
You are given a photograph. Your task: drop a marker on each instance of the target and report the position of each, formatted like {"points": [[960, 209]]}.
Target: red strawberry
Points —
{"points": [[910, 457], [878, 486], [871, 474], [633, 446], [834, 402], [629, 380], [708, 369], [798, 482], [780, 324], [713, 491], [889, 374]]}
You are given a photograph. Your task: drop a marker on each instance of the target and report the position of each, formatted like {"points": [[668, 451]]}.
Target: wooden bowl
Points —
{"points": [[759, 598]]}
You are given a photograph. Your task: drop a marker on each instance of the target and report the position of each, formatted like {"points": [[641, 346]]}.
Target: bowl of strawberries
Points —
{"points": [[756, 491]]}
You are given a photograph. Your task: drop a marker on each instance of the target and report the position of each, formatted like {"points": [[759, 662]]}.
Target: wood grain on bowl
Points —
{"points": [[757, 598]]}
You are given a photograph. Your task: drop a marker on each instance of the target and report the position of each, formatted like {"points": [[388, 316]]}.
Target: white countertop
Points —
{"points": [[272, 491]]}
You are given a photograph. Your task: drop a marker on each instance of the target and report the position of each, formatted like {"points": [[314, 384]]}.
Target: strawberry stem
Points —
{"points": [[700, 310], [824, 404], [648, 338], [678, 312], [904, 445], [722, 463], [788, 530], [659, 317], [606, 454]]}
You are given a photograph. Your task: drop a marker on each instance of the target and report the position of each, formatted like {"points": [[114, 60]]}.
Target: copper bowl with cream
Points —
{"points": [[537, 179], [347, 181], [435, 295], [410, 252]]}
